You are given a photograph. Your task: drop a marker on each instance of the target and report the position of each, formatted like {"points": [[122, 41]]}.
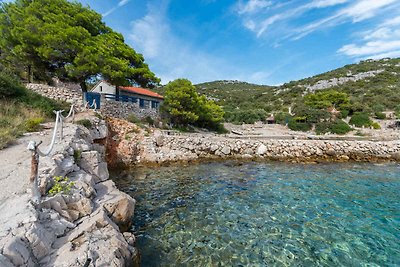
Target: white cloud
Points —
{"points": [[365, 9], [343, 11], [327, 3], [379, 42], [121, 3], [252, 6]]}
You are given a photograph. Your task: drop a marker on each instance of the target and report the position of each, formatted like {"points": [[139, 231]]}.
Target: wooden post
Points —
{"points": [[33, 178]]}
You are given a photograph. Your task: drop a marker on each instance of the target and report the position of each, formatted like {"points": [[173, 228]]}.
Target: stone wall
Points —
{"points": [[65, 92], [161, 148], [122, 110], [72, 93], [86, 223]]}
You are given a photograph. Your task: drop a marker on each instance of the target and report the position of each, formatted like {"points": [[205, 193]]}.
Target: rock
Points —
{"points": [[5, 262], [92, 163], [17, 252], [40, 240], [213, 148], [261, 150], [118, 205], [226, 150]]}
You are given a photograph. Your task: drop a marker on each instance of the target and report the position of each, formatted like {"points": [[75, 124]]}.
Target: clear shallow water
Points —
{"points": [[266, 214]]}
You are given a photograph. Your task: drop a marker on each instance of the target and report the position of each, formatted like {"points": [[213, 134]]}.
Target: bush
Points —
{"points": [[335, 127], [360, 119], [84, 122], [380, 115], [344, 113], [375, 125], [149, 120], [246, 116], [10, 85], [282, 118], [133, 119], [299, 126], [33, 124], [61, 185]]}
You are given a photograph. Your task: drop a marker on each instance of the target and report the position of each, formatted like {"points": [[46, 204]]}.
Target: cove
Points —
{"points": [[266, 214]]}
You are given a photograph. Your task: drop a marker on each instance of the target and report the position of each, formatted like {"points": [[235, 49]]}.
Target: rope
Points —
{"points": [[53, 139]]}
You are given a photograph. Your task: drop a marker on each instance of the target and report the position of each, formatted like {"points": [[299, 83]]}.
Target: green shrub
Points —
{"points": [[282, 118], [149, 120], [375, 125], [335, 127], [380, 115], [133, 119], [10, 85], [299, 126], [77, 155], [84, 122], [61, 185], [344, 113], [249, 116], [33, 124], [360, 119]]}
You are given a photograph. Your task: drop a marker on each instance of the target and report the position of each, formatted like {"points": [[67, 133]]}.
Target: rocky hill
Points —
{"points": [[370, 83]]}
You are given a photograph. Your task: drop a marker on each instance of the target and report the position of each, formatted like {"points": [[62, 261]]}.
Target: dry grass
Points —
{"points": [[15, 119]]}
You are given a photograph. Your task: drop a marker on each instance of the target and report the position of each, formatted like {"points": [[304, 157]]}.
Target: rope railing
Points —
{"points": [[36, 152]]}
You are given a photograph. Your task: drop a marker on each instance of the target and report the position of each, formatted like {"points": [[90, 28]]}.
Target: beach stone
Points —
{"points": [[261, 150], [226, 150]]}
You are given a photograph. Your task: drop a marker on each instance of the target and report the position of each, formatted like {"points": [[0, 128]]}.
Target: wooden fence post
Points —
{"points": [[33, 178]]}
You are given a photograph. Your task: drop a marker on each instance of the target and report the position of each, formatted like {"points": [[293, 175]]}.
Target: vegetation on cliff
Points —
{"points": [[370, 87]]}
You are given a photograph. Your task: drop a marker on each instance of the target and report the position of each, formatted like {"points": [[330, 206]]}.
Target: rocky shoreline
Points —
{"points": [[130, 145], [90, 222]]}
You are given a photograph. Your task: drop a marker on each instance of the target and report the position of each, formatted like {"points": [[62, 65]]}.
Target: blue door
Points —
{"points": [[92, 98]]}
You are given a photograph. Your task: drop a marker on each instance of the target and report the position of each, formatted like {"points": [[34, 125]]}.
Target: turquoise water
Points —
{"points": [[266, 214]]}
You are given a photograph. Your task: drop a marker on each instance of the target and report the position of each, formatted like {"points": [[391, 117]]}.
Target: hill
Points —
{"points": [[371, 85]]}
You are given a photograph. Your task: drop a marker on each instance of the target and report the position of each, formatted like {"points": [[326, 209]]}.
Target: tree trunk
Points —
{"points": [[83, 86], [30, 74]]}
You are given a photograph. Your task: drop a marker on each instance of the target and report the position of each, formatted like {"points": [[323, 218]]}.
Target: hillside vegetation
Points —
{"points": [[22, 110], [369, 87]]}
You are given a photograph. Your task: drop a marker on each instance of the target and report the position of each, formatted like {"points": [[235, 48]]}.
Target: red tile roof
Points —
{"points": [[141, 91]]}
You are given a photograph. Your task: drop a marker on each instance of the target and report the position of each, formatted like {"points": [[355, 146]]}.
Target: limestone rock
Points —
{"points": [[92, 163], [261, 150], [118, 205], [226, 150], [17, 252], [5, 262]]}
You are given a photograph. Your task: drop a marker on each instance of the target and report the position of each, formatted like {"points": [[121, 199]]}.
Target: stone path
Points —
{"points": [[15, 165]]}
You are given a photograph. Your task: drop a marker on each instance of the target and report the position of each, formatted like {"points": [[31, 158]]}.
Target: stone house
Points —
{"points": [[145, 97]]}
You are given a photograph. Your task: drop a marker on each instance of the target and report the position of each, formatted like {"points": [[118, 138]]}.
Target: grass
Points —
{"points": [[22, 110], [16, 119]]}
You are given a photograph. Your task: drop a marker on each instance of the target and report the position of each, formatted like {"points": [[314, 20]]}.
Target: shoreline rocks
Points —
{"points": [[67, 229], [159, 147]]}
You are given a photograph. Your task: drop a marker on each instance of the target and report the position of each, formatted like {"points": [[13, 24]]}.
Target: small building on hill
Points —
{"points": [[145, 97]]}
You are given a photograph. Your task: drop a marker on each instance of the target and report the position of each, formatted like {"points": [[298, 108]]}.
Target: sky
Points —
{"points": [[258, 41]]}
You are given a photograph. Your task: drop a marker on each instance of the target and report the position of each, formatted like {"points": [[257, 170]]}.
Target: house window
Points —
{"points": [[101, 88], [141, 103], [154, 104]]}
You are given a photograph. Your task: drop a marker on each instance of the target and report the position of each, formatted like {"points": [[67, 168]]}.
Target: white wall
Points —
{"points": [[104, 88]]}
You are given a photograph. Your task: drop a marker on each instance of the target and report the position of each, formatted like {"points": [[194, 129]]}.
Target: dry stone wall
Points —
{"points": [[161, 148], [64, 92], [122, 110]]}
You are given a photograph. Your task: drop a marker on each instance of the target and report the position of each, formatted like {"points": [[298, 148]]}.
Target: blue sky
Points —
{"points": [[259, 41]]}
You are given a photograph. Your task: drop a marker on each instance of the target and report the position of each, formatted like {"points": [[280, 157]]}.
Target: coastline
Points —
{"points": [[91, 222], [129, 145]]}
